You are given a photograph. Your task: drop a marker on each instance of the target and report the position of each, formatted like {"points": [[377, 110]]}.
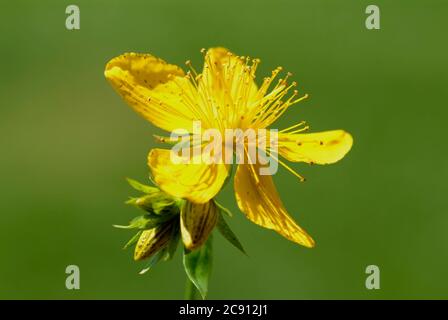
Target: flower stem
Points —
{"points": [[191, 292]]}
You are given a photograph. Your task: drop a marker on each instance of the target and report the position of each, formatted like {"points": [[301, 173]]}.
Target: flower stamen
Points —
{"points": [[301, 178]]}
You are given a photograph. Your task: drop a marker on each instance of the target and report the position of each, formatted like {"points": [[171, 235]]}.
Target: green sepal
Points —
{"points": [[133, 240], [223, 209], [164, 205], [153, 261], [157, 203], [198, 266], [173, 244], [227, 233], [147, 221], [141, 187]]}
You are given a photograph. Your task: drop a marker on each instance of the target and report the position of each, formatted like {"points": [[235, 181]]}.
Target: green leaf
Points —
{"points": [[227, 233], [229, 176], [191, 293], [198, 266], [133, 240], [141, 187]]}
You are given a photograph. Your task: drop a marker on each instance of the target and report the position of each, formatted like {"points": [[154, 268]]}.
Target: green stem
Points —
{"points": [[228, 177], [191, 292]]}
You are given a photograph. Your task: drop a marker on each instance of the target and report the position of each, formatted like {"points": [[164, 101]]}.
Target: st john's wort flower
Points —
{"points": [[223, 96]]}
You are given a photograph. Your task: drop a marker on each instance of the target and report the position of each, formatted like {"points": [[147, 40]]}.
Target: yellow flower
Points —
{"points": [[223, 96]]}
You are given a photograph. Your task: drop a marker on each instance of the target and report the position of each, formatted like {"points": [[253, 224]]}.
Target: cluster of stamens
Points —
{"points": [[224, 96]]}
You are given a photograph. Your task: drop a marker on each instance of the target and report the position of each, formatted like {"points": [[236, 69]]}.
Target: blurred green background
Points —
{"points": [[68, 142]]}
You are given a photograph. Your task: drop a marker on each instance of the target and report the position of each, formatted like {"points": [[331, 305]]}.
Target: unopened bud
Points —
{"points": [[158, 203], [197, 222], [152, 241]]}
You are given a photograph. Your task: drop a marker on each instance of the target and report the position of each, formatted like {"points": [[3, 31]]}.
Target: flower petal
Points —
{"points": [[320, 147], [195, 182], [226, 70], [257, 197], [228, 82], [153, 88]]}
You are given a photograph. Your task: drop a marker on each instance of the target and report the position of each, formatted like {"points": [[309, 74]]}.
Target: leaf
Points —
{"points": [[227, 233], [133, 240], [198, 266], [141, 187]]}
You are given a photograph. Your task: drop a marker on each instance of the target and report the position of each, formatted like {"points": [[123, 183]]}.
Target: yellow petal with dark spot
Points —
{"points": [[320, 148], [153, 88]]}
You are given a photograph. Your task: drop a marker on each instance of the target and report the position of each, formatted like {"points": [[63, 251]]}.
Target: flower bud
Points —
{"points": [[197, 220], [153, 240], [156, 203]]}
